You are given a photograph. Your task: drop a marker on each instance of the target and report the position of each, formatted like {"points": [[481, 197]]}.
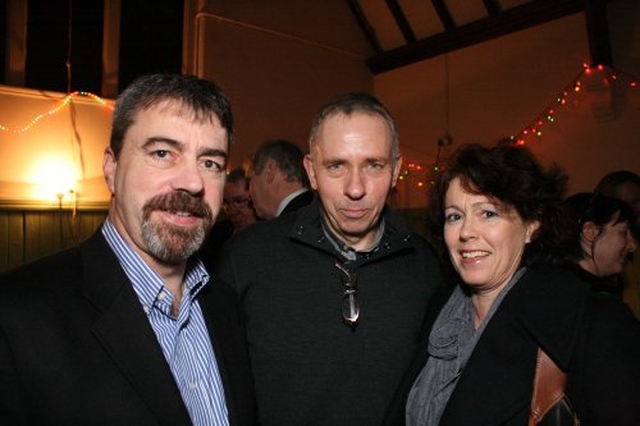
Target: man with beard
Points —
{"points": [[128, 328]]}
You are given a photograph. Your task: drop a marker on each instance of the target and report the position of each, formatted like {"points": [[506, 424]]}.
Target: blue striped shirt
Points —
{"points": [[184, 339]]}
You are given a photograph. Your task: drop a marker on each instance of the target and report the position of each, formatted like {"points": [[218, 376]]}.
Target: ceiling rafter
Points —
{"points": [[366, 27], [444, 14], [492, 6], [401, 20], [495, 25], [598, 32]]}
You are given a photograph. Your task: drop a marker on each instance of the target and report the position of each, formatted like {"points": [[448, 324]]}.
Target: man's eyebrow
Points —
{"points": [[162, 140], [206, 151], [213, 152], [368, 160]]}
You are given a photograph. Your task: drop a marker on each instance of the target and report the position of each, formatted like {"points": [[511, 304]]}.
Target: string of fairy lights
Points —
{"points": [[62, 104], [421, 175], [417, 174], [536, 127]]}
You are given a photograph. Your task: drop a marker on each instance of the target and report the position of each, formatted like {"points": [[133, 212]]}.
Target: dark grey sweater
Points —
{"points": [[309, 367]]}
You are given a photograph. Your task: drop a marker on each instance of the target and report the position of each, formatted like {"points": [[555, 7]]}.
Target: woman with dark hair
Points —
{"points": [[601, 238], [498, 216]]}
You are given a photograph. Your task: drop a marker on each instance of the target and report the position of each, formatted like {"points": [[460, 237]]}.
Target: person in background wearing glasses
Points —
{"points": [[128, 328], [277, 181], [625, 185], [334, 295], [496, 216], [236, 200], [239, 213], [602, 239]]}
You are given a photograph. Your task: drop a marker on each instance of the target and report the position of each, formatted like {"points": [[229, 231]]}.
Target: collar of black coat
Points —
{"points": [[549, 304], [308, 229]]}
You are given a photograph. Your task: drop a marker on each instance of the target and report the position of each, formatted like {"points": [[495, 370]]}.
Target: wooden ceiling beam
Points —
{"points": [[506, 22], [492, 6], [444, 14], [401, 21], [598, 32], [365, 26]]}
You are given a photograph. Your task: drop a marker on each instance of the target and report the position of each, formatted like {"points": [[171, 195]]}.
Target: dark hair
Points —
{"points": [[610, 183], [596, 208], [356, 102], [287, 155], [238, 175], [203, 97], [511, 175]]}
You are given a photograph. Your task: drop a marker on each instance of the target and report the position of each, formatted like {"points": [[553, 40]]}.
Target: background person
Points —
{"points": [[239, 213], [498, 217], [334, 294], [236, 200], [625, 185], [601, 238], [126, 328], [278, 182]]}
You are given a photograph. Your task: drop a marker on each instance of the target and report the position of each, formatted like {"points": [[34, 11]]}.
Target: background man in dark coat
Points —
{"points": [[278, 182]]}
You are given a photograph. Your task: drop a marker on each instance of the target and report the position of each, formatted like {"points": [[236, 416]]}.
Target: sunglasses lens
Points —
{"points": [[350, 308]]}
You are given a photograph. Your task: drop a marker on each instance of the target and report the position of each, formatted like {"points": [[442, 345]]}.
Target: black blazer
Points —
{"points": [[76, 348], [592, 337]]}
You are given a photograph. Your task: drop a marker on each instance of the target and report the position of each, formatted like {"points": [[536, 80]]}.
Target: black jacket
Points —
{"points": [[310, 368], [592, 337], [298, 202]]}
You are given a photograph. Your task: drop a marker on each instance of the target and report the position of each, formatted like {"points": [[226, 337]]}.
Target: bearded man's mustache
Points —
{"points": [[178, 201]]}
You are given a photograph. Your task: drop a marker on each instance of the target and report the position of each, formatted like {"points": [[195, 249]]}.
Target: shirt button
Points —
{"points": [[193, 385], [161, 296]]}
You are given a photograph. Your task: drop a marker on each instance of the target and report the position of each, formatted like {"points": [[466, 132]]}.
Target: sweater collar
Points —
{"points": [[308, 229]]}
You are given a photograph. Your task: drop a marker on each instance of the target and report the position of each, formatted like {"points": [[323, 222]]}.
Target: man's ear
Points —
{"points": [[307, 162], [109, 166], [396, 171], [270, 170]]}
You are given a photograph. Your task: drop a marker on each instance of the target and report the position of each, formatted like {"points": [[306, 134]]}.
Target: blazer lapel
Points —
{"points": [[125, 333], [497, 382], [495, 385], [222, 315]]}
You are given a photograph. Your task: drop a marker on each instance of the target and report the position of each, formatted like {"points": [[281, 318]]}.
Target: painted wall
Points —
{"points": [[279, 61], [498, 88]]}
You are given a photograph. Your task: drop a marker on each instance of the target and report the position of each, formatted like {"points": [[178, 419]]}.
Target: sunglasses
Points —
{"points": [[350, 307]]}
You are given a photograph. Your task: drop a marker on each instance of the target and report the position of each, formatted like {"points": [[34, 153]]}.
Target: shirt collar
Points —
{"points": [[347, 251]]}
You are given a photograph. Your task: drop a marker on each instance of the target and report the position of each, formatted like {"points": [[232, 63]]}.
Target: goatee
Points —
{"points": [[170, 243]]}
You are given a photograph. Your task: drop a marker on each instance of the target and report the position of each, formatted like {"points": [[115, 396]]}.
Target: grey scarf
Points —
{"points": [[451, 343]]}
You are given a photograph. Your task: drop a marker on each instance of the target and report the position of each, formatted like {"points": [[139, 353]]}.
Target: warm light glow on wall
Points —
{"points": [[51, 147], [53, 178]]}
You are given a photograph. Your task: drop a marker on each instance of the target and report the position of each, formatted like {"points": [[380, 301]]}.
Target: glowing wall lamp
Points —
{"points": [[51, 156], [54, 179]]}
